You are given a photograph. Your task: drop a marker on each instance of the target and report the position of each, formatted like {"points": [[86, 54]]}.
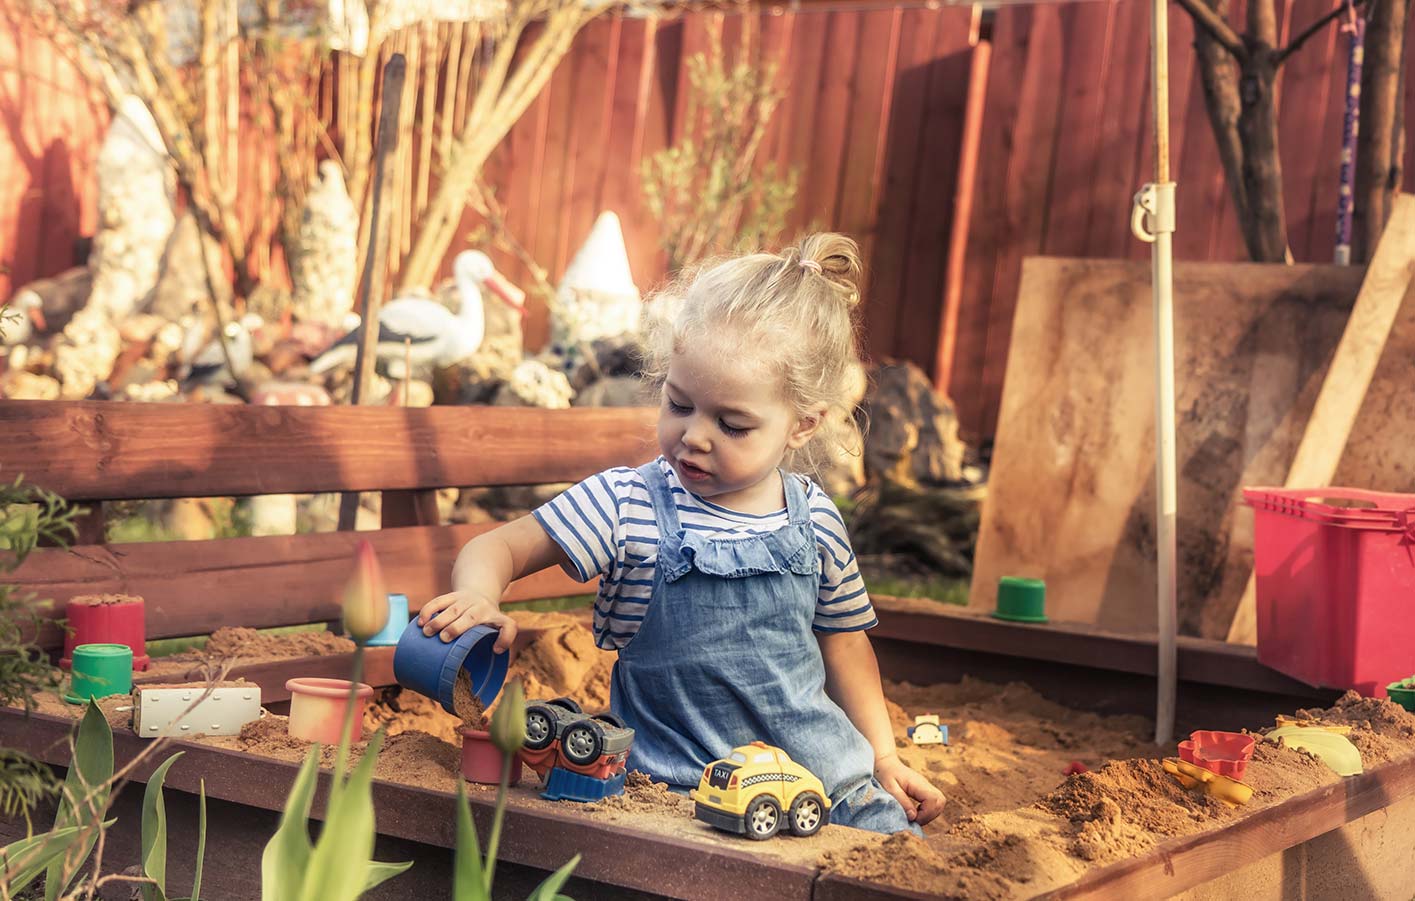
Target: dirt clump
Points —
{"points": [[238, 641], [643, 795], [398, 710], [422, 759], [104, 600], [907, 861], [562, 660], [1382, 730]]}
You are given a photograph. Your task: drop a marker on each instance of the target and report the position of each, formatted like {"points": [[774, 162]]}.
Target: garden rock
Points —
{"points": [[17, 384], [913, 431], [616, 391], [620, 355], [324, 270], [534, 384], [84, 353], [473, 381]]}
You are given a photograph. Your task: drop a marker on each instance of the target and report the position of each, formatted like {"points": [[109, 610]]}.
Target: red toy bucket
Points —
{"points": [[1335, 585], [106, 619]]}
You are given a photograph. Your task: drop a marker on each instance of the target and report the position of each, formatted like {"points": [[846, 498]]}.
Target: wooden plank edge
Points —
{"points": [[1182, 863], [612, 854], [1200, 660]]}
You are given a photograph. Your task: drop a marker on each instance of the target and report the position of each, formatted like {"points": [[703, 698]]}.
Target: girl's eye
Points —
{"points": [[677, 409], [729, 430]]}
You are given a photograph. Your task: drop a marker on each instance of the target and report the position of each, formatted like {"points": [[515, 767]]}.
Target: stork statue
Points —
{"points": [[438, 336]]}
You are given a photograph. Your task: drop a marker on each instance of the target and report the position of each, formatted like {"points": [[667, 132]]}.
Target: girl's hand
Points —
{"points": [[921, 800], [453, 613]]}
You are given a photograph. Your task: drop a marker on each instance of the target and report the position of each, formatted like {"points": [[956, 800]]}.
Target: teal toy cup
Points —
{"points": [[100, 670], [397, 622], [1021, 600], [1403, 693]]}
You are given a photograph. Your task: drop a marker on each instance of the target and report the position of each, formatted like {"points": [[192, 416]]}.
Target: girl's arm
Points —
{"points": [[852, 681], [485, 566]]}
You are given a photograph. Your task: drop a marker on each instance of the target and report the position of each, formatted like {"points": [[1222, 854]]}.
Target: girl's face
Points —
{"points": [[724, 425]]}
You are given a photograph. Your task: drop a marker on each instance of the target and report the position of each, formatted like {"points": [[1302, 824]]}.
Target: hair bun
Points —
{"points": [[837, 257]]}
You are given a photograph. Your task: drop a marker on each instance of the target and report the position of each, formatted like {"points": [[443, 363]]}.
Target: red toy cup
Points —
{"points": [[1225, 753], [317, 709], [482, 760], [106, 619]]}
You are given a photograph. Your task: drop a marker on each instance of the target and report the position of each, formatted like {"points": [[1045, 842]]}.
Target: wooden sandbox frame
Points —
{"points": [[96, 452]]}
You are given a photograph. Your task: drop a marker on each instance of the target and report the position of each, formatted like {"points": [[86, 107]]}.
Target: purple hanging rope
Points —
{"points": [[1355, 26]]}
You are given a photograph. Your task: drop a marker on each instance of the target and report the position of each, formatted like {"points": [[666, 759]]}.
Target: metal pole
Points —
{"points": [[1153, 221]]}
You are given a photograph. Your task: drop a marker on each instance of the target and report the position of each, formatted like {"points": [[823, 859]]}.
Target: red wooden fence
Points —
{"points": [[872, 118]]}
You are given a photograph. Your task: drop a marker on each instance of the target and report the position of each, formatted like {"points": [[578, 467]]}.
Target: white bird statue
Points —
{"points": [[21, 319], [438, 336], [209, 367]]}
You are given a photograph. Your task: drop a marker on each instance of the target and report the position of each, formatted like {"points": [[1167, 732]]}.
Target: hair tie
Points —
{"points": [[812, 265]]}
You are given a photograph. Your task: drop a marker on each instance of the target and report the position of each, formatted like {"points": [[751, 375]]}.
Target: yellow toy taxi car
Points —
{"points": [[756, 790]]}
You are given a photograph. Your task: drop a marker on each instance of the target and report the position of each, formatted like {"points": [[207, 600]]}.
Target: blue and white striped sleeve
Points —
{"points": [[842, 605], [584, 521]]}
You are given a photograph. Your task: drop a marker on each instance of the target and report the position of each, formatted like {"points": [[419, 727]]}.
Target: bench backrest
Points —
{"points": [[91, 452]]}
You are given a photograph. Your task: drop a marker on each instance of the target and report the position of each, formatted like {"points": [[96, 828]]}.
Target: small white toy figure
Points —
{"points": [[927, 731]]}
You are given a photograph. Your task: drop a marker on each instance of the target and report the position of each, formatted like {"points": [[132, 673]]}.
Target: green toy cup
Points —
{"points": [[1021, 600], [100, 670], [1403, 693]]}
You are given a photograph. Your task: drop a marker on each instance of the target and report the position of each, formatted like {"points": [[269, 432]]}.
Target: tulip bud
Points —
{"points": [[365, 599], [508, 723]]}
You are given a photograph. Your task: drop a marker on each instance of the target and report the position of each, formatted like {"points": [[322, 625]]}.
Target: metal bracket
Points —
{"points": [[1153, 211], [171, 711]]}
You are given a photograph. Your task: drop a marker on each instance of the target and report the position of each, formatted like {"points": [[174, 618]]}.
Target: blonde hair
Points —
{"points": [[799, 304]]}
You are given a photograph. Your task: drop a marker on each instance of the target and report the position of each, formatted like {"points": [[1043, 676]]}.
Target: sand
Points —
{"points": [[235, 641], [468, 706], [104, 600], [1015, 823]]}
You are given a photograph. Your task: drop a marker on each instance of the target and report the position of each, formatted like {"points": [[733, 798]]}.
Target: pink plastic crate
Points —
{"points": [[1336, 585]]}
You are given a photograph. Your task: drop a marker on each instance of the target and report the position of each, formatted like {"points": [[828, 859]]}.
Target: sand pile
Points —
{"points": [[643, 795], [103, 600], [562, 660], [236, 641], [398, 710]]}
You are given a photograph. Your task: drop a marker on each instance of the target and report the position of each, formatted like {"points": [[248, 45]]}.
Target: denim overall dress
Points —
{"points": [[725, 655]]}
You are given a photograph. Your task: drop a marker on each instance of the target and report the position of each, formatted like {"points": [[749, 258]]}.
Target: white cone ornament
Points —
{"points": [[597, 297], [324, 270]]}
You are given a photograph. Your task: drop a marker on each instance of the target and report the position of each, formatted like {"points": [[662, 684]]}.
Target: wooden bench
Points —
{"points": [[92, 453]]}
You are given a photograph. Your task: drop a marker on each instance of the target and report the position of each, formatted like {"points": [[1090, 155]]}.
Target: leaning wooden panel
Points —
{"points": [[1071, 492], [98, 451], [194, 587]]}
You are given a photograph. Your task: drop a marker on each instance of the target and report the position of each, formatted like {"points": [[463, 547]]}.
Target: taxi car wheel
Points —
{"points": [[807, 814], [762, 818], [582, 743]]}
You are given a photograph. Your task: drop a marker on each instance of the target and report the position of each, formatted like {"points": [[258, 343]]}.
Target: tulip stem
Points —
{"points": [[495, 840], [346, 733]]}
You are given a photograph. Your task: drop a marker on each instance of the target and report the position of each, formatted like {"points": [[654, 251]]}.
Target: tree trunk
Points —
{"points": [[1377, 162], [1219, 74], [1265, 229]]}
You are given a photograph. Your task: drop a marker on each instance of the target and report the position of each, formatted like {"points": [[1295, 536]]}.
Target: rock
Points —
{"points": [[616, 356], [324, 269], [273, 514], [181, 288], [534, 384], [16, 384], [913, 432], [84, 353], [419, 394], [149, 392], [135, 212], [473, 381], [291, 394], [616, 391]]}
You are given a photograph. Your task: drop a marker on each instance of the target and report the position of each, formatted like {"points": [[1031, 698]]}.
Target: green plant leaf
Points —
{"points": [[21, 862], [467, 878], [549, 890], [85, 798], [201, 843], [154, 832], [287, 854], [380, 872], [337, 868]]}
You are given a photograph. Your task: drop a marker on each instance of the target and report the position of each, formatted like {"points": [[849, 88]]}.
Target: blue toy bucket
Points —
{"points": [[429, 665], [397, 622]]}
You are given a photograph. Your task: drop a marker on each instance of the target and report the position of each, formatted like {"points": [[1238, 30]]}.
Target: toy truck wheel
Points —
{"points": [[582, 743], [569, 704], [612, 719], [540, 728], [762, 817], [807, 814]]}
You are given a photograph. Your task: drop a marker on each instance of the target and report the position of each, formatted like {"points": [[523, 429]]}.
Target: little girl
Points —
{"points": [[728, 585]]}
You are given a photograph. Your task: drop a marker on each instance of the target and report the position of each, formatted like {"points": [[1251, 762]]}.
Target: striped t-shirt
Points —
{"points": [[606, 527]]}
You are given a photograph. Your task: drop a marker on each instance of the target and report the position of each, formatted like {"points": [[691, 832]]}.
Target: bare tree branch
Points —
{"points": [[1216, 27], [1310, 31]]}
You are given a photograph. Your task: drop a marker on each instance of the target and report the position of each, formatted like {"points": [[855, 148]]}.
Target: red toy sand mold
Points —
{"points": [[1225, 753]]}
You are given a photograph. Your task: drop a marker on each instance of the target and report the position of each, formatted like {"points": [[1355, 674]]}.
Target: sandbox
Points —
{"points": [[1016, 825]]}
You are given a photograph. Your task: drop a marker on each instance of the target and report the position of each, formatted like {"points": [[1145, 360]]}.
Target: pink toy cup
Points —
{"points": [[317, 709], [117, 622]]}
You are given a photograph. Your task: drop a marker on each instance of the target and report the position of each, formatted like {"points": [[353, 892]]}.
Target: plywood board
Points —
{"points": [[1071, 493]]}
